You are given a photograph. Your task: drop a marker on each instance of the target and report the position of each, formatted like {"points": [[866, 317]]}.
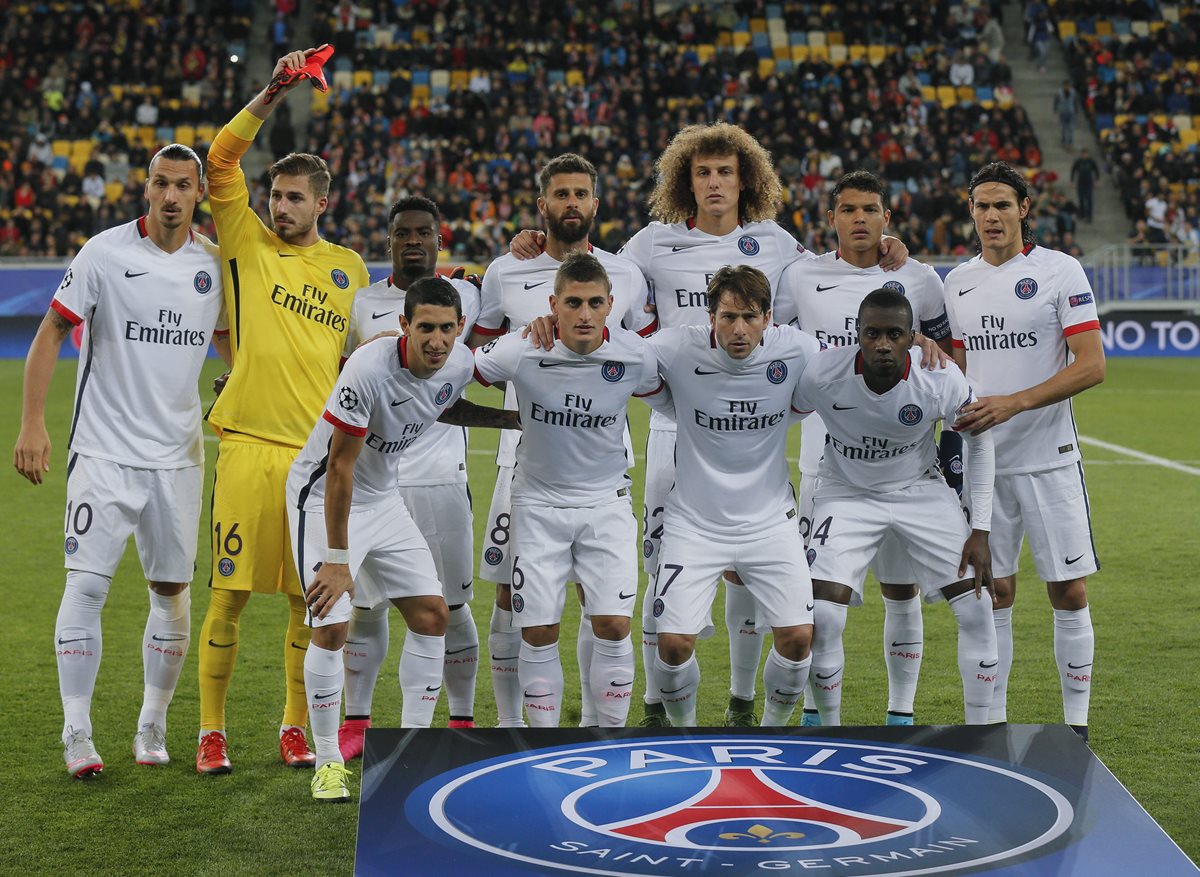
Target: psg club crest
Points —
{"points": [[1026, 288], [895, 286], [339, 278], [748, 245], [612, 371], [202, 282], [741, 806], [518, 602], [777, 371], [225, 566], [647, 548], [659, 606], [910, 415], [348, 399], [493, 556], [810, 555], [71, 545], [443, 394]]}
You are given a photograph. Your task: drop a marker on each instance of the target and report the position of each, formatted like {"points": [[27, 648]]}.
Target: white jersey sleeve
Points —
{"points": [[468, 292], [79, 290], [497, 360], [491, 319]]}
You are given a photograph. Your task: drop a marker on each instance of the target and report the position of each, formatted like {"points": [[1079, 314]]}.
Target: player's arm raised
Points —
{"points": [[31, 456], [283, 80], [333, 578]]}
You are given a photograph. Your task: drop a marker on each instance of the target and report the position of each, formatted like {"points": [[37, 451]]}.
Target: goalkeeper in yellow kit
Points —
{"points": [[288, 295]]}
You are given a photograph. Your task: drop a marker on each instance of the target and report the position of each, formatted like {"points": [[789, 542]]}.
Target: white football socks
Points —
{"points": [[612, 673], [420, 678], [977, 659], [828, 659], [504, 644], [78, 646], [677, 687], [323, 680], [649, 645], [462, 662], [1074, 649], [903, 635], [745, 645], [783, 684], [364, 652], [584, 647], [541, 677], [164, 646], [1002, 622]]}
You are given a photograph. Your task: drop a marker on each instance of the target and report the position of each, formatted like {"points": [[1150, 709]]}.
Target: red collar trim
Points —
{"points": [[712, 339], [907, 369], [837, 254], [690, 222], [141, 227], [390, 276], [402, 345], [1027, 249]]}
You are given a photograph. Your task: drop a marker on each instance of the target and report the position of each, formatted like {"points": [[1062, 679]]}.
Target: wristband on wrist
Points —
{"points": [[337, 555]]}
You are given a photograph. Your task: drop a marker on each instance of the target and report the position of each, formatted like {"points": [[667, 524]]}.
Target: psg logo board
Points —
{"points": [[1009, 800]]}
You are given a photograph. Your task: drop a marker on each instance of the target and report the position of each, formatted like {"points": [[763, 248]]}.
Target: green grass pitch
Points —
{"points": [[260, 820]]}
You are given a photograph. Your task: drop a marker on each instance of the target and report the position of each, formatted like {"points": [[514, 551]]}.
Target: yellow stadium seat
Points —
{"points": [[966, 93], [420, 92], [1193, 66], [706, 52], [1156, 26], [837, 54], [730, 104], [1189, 137], [672, 104], [799, 54], [1122, 120], [129, 133], [724, 40], [574, 78], [1104, 28], [928, 93], [766, 67], [781, 53], [876, 55], [82, 147], [206, 133], [741, 39], [857, 52], [946, 96], [112, 191], [117, 91], [363, 80], [1066, 30], [78, 163], [186, 135], [459, 80], [63, 147], [138, 174], [420, 35], [818, 53], [835, 38], [320, 102], [146, 136], [758, 25]]}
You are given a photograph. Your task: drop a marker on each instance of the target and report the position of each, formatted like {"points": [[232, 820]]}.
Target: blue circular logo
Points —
{"points": [[493, 556], [810, 555], [225, 566], [518, 602], [658, 806], [748, 245], [777, 371], [659, 606], [1026, 288], [895, 286], [647, 548], [340, 280], [443, 394], [202, 282], [910, 415], [612, 371], [71, 545]]}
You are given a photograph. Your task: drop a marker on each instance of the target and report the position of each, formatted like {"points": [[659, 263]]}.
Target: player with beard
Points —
{"points": [[288, 293], [435, 492], [514, 294]]}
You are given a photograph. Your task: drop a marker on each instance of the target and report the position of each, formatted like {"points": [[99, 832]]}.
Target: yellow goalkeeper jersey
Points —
{"points": [[288, 307]]}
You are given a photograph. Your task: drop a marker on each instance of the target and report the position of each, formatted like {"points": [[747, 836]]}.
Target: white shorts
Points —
{"points": [[495, 564], [660, 478], [925, 519], [389, 558], [108, 502], [890, 564], [442, 513], [1052, 508], [552, 546], [770, 563]]}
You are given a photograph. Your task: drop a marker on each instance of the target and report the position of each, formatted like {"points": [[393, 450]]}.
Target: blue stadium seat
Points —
{"points": [[420, 77]]}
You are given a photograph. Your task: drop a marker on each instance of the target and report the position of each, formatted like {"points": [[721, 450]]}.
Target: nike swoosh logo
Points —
{"points": [[466, 585], [1076, 666], [169, 638], [837, 407], [989, 666], [621, 595], [1071, 560], [688, 247], [497, 658], [532, 285], [129, 273], [356, 642], [749, 622], [287, 255], [898, 645], [965, 291], [294, 646], [701, 371], [456, 651], [536, 696], [672, 691], [217, 645], [433, 688], [621, 684], [829, 675], [810, 607], [543, 364], [402, 401], [788, 693], [80, 639], [375, 316], [821, 288], [325, 696]]}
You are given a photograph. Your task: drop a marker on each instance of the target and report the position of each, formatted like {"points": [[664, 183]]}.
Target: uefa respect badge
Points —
{"points": [[720, 805]]}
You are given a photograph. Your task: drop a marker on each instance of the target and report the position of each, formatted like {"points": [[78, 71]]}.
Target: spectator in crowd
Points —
{"points": [[1084, 172], [1066, 102]]}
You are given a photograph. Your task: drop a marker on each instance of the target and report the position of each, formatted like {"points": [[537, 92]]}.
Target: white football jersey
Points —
{"points": [[442, 448], [1013, 321], [377, 397], [517, 291], [679, 260], [150, 317], [731, 472], [822, 296], [573, 407], [879, 443]]}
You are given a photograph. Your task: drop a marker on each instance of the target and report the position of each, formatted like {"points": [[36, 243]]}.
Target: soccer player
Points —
{"points": [[149, 293], [731, 507], [352, 534], [714, 204], [572, 518], [288, 292], [878, 477], [822, 297], [1026, 333], [435, 493], [514, 294]]}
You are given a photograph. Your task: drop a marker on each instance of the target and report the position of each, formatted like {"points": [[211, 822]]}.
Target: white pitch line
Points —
{"points": [[1148, 458]]}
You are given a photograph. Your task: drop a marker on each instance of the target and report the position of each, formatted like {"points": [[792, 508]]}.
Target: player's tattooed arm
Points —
{"points": [[31, 455], [464, 413], [892, 253]]}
